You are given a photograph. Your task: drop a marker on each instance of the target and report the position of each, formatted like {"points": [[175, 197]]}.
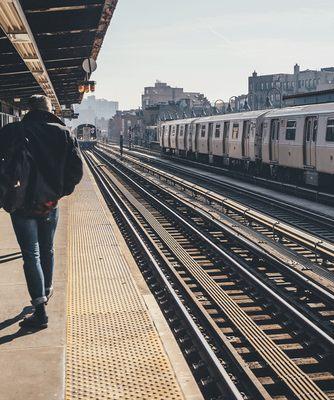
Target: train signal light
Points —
{"points": [[86, 86]]}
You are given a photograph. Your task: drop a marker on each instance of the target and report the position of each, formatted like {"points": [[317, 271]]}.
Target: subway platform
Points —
{"points": [[107, 338]]}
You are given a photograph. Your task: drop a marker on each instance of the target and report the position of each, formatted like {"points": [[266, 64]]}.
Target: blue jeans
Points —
{"points": [[35, 236]]}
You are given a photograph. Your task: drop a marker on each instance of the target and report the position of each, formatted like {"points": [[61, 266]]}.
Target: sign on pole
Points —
{"points": [[89, 65]]}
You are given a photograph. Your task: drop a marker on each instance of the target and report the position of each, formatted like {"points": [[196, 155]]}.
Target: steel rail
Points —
{"points": [[227, 256], [303, 238], [258, 196], [300, 191], [292, 375], [234, 392]]}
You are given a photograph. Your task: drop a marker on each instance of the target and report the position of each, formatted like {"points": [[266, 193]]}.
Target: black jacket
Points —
{"points": [[54, 150]]}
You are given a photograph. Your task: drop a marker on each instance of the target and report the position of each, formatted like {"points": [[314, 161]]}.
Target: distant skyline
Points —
{"points": [[211, 47]]}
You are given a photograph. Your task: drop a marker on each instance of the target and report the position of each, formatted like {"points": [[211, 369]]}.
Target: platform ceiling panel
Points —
{"points": [[66, 32]]}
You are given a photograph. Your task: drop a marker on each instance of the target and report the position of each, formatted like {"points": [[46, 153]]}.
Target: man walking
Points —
{"points": [[56, 167]]}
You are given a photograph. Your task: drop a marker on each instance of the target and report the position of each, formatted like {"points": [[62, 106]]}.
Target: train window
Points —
{"points": [[226, 129], [170, 129], [177, 129], [235, 131], [315, 130], [163, 129], [181, 130], [290, 133], [198, 128], [308, 129], [203, 131], [330, 131], [217, 132]]}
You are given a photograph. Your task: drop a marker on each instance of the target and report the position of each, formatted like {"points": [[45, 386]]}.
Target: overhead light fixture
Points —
{"points": [[15, 25], [18, 37]]}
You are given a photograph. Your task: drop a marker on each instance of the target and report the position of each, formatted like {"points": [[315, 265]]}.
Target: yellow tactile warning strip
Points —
{"points": [[113, 349]]}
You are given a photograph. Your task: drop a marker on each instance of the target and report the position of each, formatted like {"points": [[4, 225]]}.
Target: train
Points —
{"points": [[85, 132], [292, 144], [86, 135]]}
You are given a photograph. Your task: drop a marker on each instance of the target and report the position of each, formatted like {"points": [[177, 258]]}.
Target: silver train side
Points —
{"points": [[294, 144]]}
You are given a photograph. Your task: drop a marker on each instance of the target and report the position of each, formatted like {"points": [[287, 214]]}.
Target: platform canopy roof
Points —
{"points": [[65, 32]]}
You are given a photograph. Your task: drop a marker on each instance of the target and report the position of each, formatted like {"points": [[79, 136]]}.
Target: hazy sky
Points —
{"points": [[210, 46]]}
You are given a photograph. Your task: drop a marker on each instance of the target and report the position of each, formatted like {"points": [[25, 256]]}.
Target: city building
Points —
{"points": [[161, 93], [125, 123], [93, 111], [274, 87]]}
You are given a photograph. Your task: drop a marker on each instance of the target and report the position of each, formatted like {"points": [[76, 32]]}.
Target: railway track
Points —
{"points": [[279, 186], [317, 253], [309, 221], [274, 332]]}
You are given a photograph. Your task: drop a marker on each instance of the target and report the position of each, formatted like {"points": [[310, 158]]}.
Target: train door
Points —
{"points": [[274, 140], [198, 129], [310, 140], [210, 134], [246, 138], [225, 137]]}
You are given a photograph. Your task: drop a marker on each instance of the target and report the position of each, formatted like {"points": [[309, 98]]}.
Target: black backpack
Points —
{"points": [[15, 171]]}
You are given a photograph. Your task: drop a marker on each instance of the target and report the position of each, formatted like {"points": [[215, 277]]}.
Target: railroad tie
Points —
{"points": [[299, 383]]}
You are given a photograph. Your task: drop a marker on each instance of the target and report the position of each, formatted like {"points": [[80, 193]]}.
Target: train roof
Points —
{"points": [[232, 116], [180, 121], [220, 117], [310, 109]]}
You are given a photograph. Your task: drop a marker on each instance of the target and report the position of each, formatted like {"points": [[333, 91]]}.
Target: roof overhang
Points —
{"points": [[45, 43]]}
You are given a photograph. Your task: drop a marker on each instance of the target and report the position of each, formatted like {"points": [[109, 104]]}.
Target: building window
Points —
{"points": [[203, 131], [290, 133], [217, 132], [330, 131], [235, 131]]}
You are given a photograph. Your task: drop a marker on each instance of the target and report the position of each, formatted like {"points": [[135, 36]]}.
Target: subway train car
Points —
{"points": [[294, 144], [298, 142], [86, 135], [85, 132]]}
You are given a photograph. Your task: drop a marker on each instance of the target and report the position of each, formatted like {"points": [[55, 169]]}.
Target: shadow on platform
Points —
{"points": [[10, 257], [10, 321]]}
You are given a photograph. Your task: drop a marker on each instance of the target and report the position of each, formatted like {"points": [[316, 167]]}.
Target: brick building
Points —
{"points": [[161, 93], [276, 86]]}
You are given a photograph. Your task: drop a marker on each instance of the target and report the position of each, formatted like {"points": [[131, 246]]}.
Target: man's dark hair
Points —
{"points": [[39, 102]]}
